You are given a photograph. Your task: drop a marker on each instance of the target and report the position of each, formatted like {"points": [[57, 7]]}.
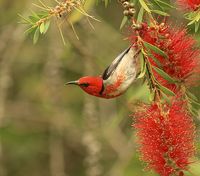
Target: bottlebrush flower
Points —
{"points": [[166, 138], [183, 56], [189, 4]]}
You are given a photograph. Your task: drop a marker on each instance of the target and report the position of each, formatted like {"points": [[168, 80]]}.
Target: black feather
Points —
{"points": [[109, 70]]}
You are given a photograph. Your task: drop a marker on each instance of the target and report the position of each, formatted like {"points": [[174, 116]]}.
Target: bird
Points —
{"points": [[116, 78]]}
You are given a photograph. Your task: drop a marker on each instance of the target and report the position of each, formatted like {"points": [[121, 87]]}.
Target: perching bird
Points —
{"points": [[116, 79]]}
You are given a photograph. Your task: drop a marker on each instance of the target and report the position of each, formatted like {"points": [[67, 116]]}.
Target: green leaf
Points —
{"points": [[124, 20], [43, 14], [193, 17], [194, 112], [194, 166], [164, 4], [36, 35], [192, 99], [191, 96], [143, 66], [190, 15], [26, 20], [166, 98], [160, 13], [30, 30], [164, 75], [151, 96], [33, 19], [196, 103], [46, 26], [197, 18], [61, 34], [35, 14], [157, 5], [155, 60], [140, 15], [42, 28], [166, 90], [155, 49], [191, 22], [196, 26], [144, 5]]}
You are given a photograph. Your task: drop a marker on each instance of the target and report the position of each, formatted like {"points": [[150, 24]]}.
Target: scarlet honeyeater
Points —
{"points": [[116, 79]]}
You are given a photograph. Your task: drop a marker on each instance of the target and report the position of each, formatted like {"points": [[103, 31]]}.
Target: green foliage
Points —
{"points": [[165, 90], [144, 5], [194, 18], [159, 12], [140, 15], [147, 69], [39, 22], [164, 75], [193, 103], [157, 6], [143, 68], [155, 49]]}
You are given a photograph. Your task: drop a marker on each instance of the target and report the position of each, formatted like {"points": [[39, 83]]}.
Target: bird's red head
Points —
{"points": [[91, 85]]}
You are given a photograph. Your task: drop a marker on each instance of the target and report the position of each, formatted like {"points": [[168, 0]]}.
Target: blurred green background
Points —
{"points": [[47, 129]]}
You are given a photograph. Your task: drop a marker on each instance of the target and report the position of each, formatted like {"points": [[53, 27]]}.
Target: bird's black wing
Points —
{"points": [[109, 70]]}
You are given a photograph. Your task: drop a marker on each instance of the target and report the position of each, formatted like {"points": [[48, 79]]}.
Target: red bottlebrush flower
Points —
{"points": [[189, 4], [183, 57], [166, 138]]}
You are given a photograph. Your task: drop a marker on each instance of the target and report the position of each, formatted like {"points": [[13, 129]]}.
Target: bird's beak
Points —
{"points": [[72, 82]]}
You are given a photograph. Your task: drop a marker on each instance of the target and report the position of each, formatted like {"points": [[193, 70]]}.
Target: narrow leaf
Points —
{"points": [[46, 26], [61, 34], [196, 103], [124, 20], [144, 5], [25, 19], [157, 5], [36, 35], [191, 96], [166, 98], [164, 75], [155, 60], [193, 111], [165, 4], [140, 15], [33, 19], [191, 22], [30, 30], [151, 96], [143, 67], [155, 49], [196, 26], [166, 90], [42, 28], [160, 12], [35, 14]]}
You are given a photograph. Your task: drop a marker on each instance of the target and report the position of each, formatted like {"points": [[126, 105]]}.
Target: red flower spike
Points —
{"points": [[183, 61], [189, 4], [166, 141]]}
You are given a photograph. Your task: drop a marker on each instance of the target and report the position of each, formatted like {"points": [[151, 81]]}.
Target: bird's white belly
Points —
{"points": [[123, 76]]}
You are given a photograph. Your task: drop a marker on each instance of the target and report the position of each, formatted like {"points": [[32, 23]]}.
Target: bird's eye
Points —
{"points": [[85, 84]]}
